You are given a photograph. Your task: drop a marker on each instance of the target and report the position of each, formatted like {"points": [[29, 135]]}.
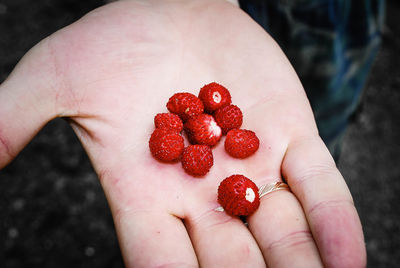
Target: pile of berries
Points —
{"points": [[205, 119]]}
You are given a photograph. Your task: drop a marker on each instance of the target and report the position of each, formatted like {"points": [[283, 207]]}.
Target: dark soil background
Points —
{"points": [[53, 212]]}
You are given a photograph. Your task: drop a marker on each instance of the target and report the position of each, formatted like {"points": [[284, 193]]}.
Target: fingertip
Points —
{"points": [[339, 234]]}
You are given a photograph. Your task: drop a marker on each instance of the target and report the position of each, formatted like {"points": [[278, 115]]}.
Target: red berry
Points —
{"points": [[203, 130], [186, 105], [168, 120], [238, 195], [197, 159], [166, 144], [228, 117], [241, 143], [214, 96]]}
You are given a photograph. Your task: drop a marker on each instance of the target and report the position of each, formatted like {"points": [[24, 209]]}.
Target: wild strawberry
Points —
{"points": [[238, 195], [241, 143], [166, 144], [197, 159], [214, 96], [186, 105], [228, 117], [168, 120], [203, 129]]}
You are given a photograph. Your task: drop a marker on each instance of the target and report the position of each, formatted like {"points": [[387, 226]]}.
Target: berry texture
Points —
{"points": [[214, 96], [203, 130], [228, 117], [241, 143], [186, 105], [238, 195], [168, 120], [166, 145], [197, 159]]}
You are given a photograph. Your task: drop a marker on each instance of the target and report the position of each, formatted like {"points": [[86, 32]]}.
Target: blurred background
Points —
{"points": [[53, 212]]}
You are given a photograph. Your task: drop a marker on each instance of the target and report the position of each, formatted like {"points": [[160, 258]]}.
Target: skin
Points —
{"points": [[113, 70]]}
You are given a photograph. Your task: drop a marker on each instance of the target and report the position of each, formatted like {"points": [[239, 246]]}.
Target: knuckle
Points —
{"points": [[330, 204], [319, 170], [208, 220], [292, 240], [315, 172]]}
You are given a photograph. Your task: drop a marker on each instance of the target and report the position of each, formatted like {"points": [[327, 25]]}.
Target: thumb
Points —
{"points": [[27, 100]]}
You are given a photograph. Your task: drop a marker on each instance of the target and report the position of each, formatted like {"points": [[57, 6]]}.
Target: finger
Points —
{"points": [[223, 241], [282, 232], [220, 240], [149, 234], [153, 239], [26, 101], [311, 173]]}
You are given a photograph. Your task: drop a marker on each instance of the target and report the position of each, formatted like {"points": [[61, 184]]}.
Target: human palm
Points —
{"points": [[113, 70]]}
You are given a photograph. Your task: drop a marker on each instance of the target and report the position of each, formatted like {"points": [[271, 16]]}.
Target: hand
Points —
{"points": [[113, 70]]}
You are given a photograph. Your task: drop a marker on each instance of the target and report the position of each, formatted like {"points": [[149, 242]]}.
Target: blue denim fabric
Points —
{"points": [[331, 44]]}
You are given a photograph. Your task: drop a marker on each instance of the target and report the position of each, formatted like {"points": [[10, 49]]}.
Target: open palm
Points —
{"points": [[113, 70]]}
